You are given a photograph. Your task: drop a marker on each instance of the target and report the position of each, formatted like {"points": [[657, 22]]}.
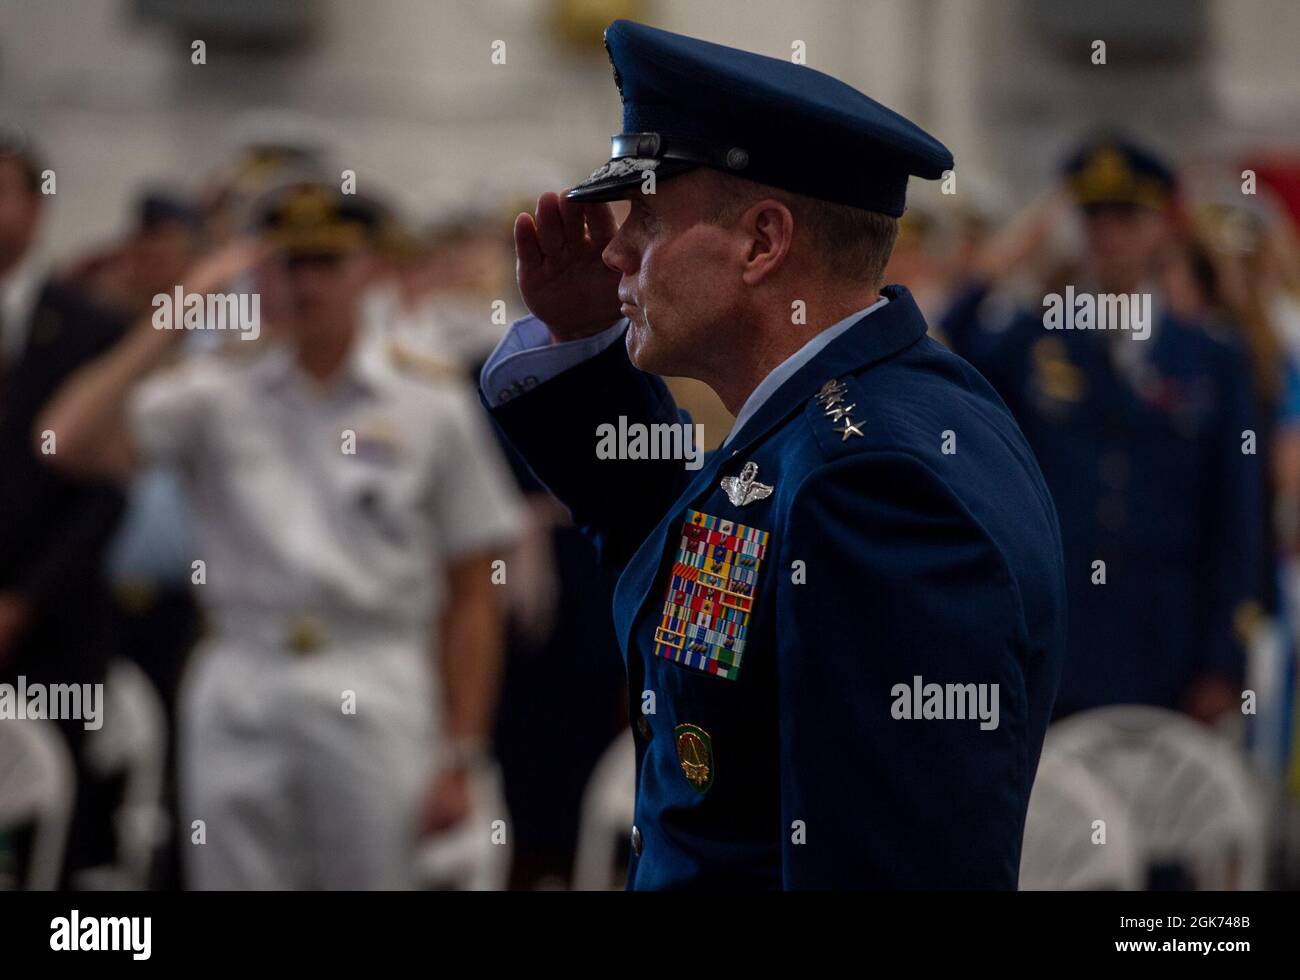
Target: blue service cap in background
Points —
{"points": [[159, 206], [688, 103], [1111, 168]]}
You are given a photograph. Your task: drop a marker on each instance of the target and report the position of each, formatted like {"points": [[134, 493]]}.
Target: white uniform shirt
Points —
{"points": [[288, 523]]}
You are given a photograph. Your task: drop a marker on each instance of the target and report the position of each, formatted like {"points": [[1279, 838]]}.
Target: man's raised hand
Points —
{"points": [[562, 278]]}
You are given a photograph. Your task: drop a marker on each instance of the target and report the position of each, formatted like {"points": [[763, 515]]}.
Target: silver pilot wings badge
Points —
{"points": [[745, 489]]}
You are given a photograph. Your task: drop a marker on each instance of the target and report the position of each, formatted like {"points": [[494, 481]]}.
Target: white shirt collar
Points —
{"points": [[366, 368], [786, 369]]}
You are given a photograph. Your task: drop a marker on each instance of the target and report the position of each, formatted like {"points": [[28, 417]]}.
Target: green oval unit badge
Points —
{"points": [[695, 753]]}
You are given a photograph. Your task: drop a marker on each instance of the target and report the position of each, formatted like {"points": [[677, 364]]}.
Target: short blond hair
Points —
{"points": [[853, 243]]}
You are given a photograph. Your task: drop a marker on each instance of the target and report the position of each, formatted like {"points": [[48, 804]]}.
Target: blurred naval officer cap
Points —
{"points": [[1111, 168], [316, 219]]}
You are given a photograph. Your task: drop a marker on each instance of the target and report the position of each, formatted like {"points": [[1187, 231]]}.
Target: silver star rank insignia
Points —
{"points": [[745, 489], [831, 389], [850, 429], [832, 398], [837, 412]]}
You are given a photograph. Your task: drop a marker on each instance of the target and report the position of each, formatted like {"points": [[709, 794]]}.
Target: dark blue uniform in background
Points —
{"points": [[1149, 474], [53, 535], [771, 754]]}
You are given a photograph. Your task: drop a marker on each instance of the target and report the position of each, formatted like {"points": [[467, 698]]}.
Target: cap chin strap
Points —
{"points": [[732, 159]]}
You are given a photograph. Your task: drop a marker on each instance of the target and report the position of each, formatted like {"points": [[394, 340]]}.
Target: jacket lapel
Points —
{"points": [[884, 333]]}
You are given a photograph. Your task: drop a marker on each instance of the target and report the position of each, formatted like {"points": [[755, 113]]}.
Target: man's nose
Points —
{"points": [[618, 256], [306, 287]]}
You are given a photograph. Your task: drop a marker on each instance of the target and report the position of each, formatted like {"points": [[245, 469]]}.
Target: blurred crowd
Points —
{"points": [[433, 551], [191, 505]]}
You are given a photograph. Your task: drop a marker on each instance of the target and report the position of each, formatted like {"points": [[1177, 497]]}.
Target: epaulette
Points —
{"points": [[837, 417], [421, 364], [234, 347], [1220, 332]]}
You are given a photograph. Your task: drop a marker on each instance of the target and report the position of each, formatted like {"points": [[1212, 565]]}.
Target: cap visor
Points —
{"points": [[620, 178]]}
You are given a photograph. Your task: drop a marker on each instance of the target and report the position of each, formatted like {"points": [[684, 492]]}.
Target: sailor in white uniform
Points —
{"points": [[350, 502]]}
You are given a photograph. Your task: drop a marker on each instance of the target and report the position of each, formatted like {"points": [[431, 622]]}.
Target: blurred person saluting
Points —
{"points": [[348, 508], [1146, 431]]}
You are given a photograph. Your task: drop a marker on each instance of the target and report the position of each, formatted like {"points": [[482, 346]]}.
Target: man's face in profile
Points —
{"points": [[160, 256], [1123, 241], [20, 210], [680, 275]]}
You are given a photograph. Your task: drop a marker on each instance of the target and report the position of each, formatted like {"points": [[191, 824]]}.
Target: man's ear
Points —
{"points": [[770, 228]]}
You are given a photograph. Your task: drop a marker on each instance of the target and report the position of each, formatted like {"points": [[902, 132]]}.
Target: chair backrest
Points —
{"points": [[1191, 798], [37, 786], [608, 806], [1078, 835], [133, 743], [1268, 733]]}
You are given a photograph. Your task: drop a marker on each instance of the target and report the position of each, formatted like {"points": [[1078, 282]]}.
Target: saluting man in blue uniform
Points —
{"points": [[1145, 425], [843, 632]]}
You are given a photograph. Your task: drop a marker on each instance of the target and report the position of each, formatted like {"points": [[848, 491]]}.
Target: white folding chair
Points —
{"points": [[1065, 847], [608, 806], [472, 856], [133, 743], [37, 787], [1191, 797], [1268, 661]]}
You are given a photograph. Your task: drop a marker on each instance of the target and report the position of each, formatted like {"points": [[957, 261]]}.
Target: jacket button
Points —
{"points": [[643, 727], [636, 840]]}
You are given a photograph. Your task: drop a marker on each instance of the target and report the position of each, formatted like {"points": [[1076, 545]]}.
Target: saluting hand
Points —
{"points": [[561, 276], [223, 265]]}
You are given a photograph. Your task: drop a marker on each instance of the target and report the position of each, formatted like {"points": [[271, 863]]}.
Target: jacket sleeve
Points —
{"points": [[76, 542], [903, 589], [74, 518], [555, 427], [994, 337]]}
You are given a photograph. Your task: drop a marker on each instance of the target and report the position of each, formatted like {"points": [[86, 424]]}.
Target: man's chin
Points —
{"points": [[645, 357], [638, 346]]}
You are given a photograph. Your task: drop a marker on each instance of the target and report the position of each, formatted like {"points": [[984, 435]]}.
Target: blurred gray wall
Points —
{"points": [[407, 92]]}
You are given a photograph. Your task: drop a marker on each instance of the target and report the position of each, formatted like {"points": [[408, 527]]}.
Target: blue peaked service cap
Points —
{"points": [[688, 103], [1111, 168]]}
